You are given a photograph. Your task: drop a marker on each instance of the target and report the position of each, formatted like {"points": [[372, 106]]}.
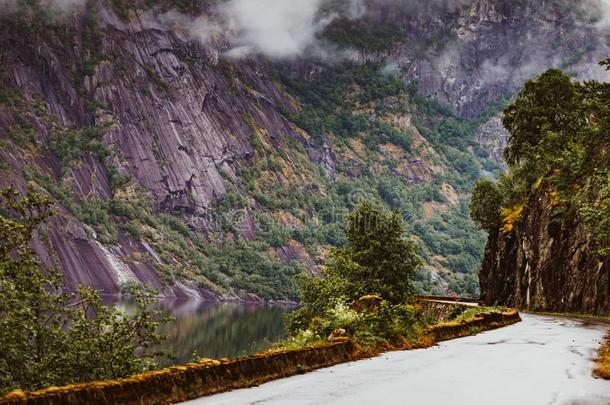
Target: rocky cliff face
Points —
{"points": [[471, 53], [176, 120], [169, 163], [545, 263]]}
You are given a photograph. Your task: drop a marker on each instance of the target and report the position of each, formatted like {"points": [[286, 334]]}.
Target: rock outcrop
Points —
{"points": [[547, 263]]}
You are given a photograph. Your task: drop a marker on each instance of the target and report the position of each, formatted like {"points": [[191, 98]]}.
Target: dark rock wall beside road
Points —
{"points": [[545, 263]]}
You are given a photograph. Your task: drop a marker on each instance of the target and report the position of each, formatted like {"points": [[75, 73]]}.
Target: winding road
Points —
{"points": [[542, 360]]}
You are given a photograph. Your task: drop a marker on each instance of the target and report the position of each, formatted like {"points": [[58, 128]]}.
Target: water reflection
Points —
{"points": [[216, 330]]}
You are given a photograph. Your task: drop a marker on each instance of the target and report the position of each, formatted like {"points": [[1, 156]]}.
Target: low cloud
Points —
{"points": [[604, 7], [276, 29], [285, 29], [200, 28], [390, 69]]}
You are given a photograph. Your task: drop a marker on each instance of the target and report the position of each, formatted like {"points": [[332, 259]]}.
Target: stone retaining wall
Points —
{"points": [[177, 384], [458, 329]]}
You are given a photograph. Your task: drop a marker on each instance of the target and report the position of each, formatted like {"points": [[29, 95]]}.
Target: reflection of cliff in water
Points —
{"points": [[217, 330]]}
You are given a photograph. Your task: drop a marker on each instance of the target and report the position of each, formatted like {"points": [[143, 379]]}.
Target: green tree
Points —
{"points": [[486, 205], [51, 337], [559, 144], [551, 103], [378, 259]]}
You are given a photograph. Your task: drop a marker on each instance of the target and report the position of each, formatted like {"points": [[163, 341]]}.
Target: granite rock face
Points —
{"points": [[545, 263], [470, 52], [176, 118]]}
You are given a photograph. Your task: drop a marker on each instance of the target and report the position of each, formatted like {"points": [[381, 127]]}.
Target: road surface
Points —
{"points": [[540, 361]]}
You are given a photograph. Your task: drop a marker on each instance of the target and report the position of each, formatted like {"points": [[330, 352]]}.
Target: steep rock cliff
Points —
{"points": [[174, 119], [546, 262], [472, 53]]}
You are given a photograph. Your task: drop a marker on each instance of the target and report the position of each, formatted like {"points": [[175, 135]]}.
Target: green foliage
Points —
{"points": [[363, 35], [486, 204], [388, 324], [50, 337], [377, 260], [92, 36], [476, 311], [69, 145], [9, 96], [253, 271], [329, 104], [131, 288], [273, 233], [558, 141], [550, 104], [22, 135], [594, 207], [60, 193], [92, 211]]}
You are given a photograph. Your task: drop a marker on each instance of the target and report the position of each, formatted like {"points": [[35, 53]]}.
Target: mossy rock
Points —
{"points": [[367, 303]]}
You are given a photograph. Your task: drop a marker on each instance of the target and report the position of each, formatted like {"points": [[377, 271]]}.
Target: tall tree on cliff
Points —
{"points": [[560, 138]]}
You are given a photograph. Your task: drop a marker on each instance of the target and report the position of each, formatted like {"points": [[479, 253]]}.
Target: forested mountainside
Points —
{"points": [[194, 148], [549, 216]]}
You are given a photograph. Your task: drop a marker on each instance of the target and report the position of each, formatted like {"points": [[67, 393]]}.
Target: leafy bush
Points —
{"points": [[379, 259], [22, 135], [71, 144]]}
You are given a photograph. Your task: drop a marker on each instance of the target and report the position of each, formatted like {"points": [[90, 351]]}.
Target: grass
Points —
{"points": [[473, 312], [603, 360]]}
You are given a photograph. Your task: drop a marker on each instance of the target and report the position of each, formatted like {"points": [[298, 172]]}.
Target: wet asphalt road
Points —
{"points": [[542, 360]]}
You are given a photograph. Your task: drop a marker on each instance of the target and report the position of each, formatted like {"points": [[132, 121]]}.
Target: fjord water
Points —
{"points": [[217, 330]]}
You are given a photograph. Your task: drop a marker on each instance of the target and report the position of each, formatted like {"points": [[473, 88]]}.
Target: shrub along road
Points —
{"points": [[542, 360]]}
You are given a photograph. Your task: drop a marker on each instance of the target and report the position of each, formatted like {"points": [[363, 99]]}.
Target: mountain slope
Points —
{"points": [[201, 175]]}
